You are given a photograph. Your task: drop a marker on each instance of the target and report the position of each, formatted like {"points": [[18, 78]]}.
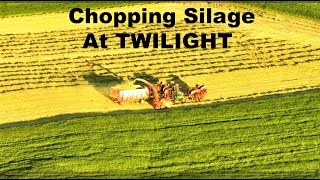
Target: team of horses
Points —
{"points": [[165, 90], [197, 93]]}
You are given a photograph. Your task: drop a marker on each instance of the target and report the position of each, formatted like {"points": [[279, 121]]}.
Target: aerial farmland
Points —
{"points": [[259, 117]]}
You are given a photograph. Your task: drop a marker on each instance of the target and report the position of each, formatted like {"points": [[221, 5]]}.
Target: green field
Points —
{"points": [[307, 9], [267, 138]]}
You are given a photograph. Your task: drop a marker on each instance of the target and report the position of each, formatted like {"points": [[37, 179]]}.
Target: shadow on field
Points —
{"points": [[144, 111], [102, 84], [183, 85], [151, 79]]}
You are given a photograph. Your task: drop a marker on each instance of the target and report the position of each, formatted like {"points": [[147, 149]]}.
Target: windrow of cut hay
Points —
{"points": [[44, 70]]}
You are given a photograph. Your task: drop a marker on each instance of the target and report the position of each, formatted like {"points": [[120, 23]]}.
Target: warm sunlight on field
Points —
{"points": [[43, 67]]}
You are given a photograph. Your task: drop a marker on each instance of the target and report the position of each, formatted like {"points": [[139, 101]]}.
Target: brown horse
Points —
{"points": [[197, 93], [199, 96], [167, 92], [164, 86], [190, 89]]}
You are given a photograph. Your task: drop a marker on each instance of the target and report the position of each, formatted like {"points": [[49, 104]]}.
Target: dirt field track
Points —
{"points": [[43, 67]]}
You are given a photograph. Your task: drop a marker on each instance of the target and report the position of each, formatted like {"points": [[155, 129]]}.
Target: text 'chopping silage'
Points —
{"points": [[168, 20]]}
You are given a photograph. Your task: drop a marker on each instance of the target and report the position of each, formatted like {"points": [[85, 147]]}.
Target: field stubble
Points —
{"points": [[43, 65]]}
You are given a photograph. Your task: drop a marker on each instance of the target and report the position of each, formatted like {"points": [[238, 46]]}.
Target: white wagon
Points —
{"points": [[129, 95]]}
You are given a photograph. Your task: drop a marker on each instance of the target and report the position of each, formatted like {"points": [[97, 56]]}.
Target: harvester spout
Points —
{"points": [[156, 103], [155, 93]]}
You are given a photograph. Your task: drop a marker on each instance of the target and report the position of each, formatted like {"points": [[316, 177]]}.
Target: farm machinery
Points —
{"points": [[164, 94]]}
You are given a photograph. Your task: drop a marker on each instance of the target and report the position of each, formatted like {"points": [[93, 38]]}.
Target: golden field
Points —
{"points": [[43, 67]]}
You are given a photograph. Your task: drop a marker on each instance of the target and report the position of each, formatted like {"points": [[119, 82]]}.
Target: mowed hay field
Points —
{"points": [[44, 69], [260, 118]]}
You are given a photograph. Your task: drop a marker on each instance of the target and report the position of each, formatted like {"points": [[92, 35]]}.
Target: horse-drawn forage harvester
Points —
{"points": [[163, 94]]}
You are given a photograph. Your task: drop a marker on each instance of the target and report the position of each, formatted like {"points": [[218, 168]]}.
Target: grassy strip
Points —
{"points": [[14, 8], [271, 138], [307, 9]]}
